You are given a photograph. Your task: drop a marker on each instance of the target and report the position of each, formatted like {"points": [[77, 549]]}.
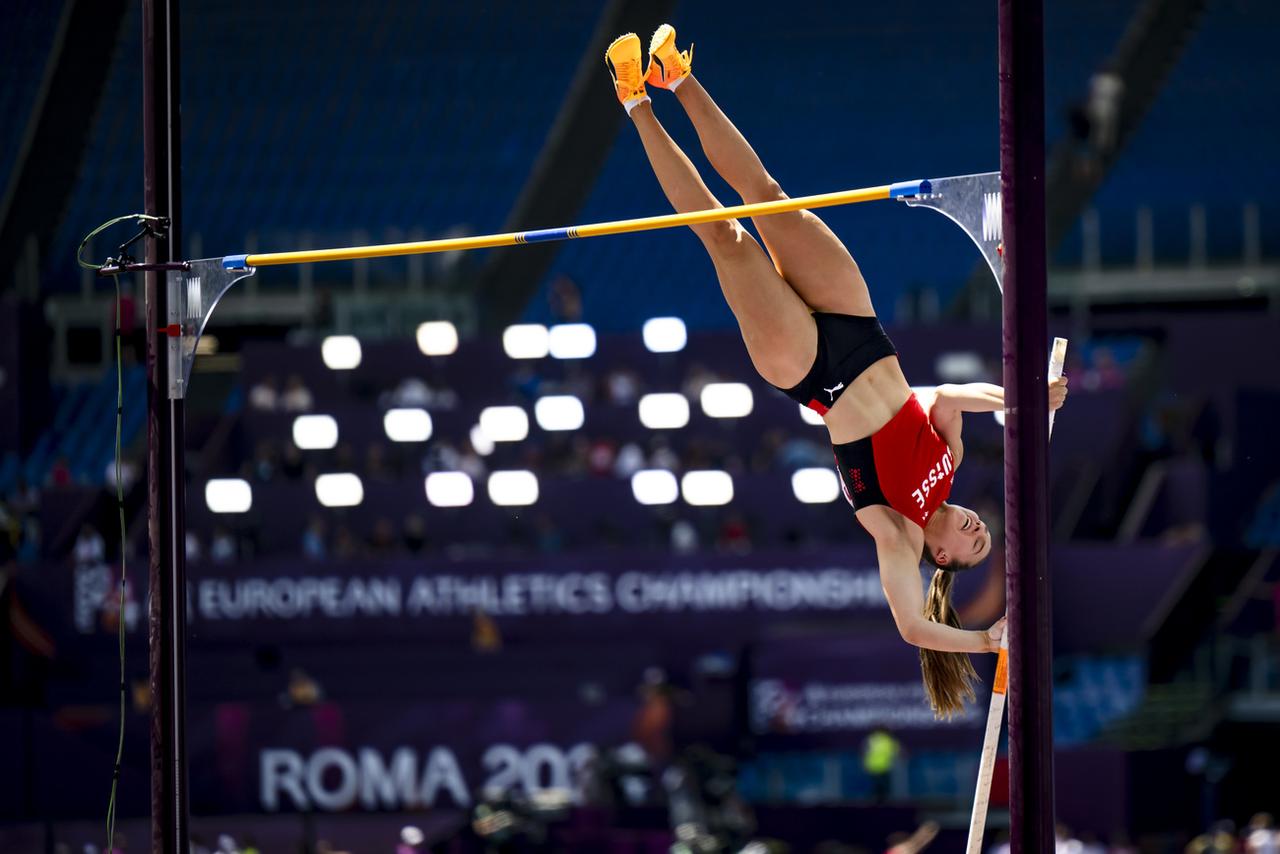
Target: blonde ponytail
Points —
{"points": [[949, 677]]}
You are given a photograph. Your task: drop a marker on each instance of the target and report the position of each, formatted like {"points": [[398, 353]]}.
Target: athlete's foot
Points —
{"points": [[668, 67], [623, 60]]}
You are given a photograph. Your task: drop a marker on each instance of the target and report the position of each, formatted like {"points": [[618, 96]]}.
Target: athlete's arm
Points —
{"points": [[969, 397], [900, 578], [951, 401], [983, 397], [948, 404]]}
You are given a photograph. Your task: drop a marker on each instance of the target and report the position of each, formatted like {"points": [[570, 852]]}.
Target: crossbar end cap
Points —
{"points": [[908, 189]]}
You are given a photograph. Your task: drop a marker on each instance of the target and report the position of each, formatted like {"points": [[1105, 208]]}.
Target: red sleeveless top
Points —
{"points": [[905, 465]]}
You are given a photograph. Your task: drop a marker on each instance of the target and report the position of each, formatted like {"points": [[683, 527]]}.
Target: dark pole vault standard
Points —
{"points": [[166, 523], [1025, 355]]}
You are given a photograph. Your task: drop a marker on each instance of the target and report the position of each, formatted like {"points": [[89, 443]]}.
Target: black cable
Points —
{"points": [[146, 222], [120, 613], [150, 225]]}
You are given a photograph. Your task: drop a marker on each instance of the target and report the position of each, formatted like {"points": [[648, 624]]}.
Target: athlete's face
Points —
{"points": [[960, 538]]}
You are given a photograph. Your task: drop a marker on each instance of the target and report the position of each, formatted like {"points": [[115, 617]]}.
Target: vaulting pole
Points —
{"points": [[1022, 166], [166, 523]]}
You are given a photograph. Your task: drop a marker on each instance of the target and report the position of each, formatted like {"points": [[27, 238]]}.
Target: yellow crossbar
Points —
{"points": [[599, 229]]}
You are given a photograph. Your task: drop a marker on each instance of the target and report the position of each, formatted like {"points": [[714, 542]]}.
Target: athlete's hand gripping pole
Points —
{"points": [[1000, 685]]}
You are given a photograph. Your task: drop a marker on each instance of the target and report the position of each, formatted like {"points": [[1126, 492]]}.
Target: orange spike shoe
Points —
{"points": [[668, 67], [623, 60]]}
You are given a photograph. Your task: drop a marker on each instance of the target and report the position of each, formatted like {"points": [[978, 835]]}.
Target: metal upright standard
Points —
{"points": [[166, 522], [1022, 166]]}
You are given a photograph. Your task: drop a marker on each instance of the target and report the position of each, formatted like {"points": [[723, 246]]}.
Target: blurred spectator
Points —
{"points": [[661, 456], [109, 607], [600, 457], [383, 541], [765, 456], [550, 540], [622, 386], [89, 549], [1090, 844], [411, 839], [565, 299], [314, 545], [29, 544], [24, 498], [415, 534], [344, 458], [296, 396], [344, 544], [415, 392], [469, 462], [797, 453], [410, 391], [375, 463], [651, 727], [1064, 841], [630, 459], [1103, 372], [1215, 842], [264, 461], [485, 636], [577, 381], [60, 473], [574, 460], [128, 474], [302, 690], [698, 378], [880, 754], [264, 395], [527, 382], [902, 843], [292, 464], [1106, 90], [734, 536], [684, 537], [441, 455], [1261, 836], [193, 547], [222, 548], [1120, 843], [698, 454]]}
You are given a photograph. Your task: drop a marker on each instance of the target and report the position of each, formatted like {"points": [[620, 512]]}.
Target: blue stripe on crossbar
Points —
{"points": [[235, 262], [545, 235], [909, 188]]}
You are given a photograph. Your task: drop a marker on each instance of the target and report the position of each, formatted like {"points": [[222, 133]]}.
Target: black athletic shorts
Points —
{"points": [[847, 345]]}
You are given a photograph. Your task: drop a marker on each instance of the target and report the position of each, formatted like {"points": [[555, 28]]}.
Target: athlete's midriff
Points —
{"points": [[905, 465]]}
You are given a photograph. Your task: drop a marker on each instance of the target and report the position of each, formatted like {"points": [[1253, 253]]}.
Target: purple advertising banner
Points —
{"points": [[330, 757], [561, 595], [820, 693], [1105, 593], [372, 756]]}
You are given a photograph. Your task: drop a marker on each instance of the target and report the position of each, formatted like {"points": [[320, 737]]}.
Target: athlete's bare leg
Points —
{"points": [[807, 254], [776, 325]]}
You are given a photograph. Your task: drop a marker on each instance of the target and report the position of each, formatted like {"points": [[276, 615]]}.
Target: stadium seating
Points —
{"points": [[29, 30], [82, 433], [581, 501], [300, 118], [394, 147]]}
